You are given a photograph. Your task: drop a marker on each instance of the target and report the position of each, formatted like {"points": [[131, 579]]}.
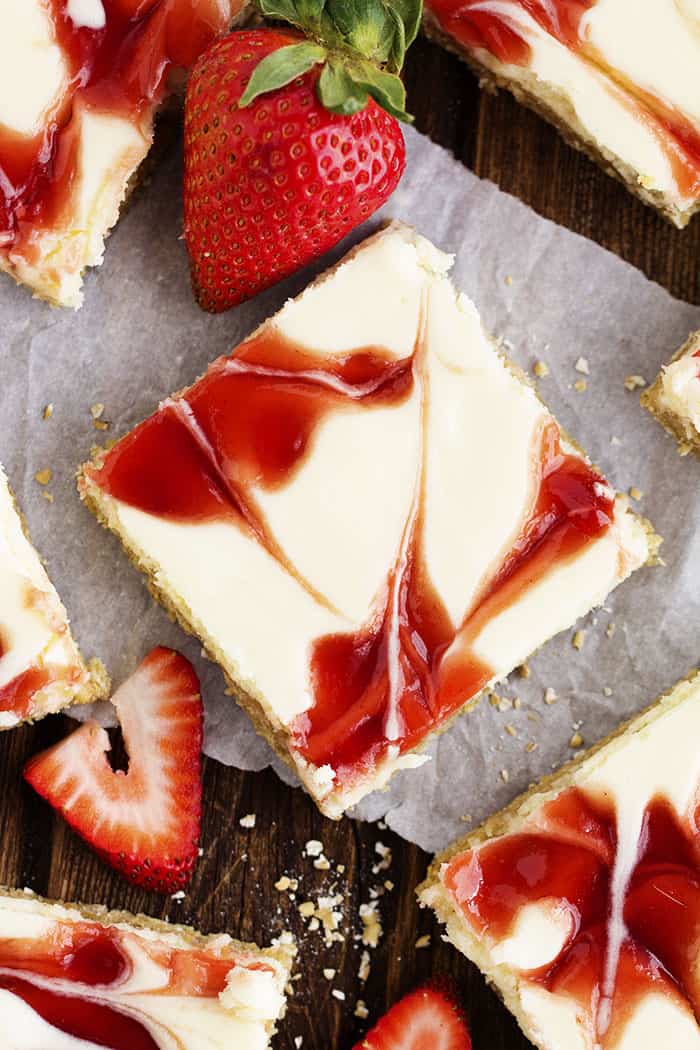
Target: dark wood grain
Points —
{"points": [[233, 889]]}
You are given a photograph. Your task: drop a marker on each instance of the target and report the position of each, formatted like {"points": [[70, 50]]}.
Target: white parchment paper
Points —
{"points": [[550, 294]]}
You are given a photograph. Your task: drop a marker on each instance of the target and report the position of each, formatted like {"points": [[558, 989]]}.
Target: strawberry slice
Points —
{"points": [[144, 822], [427, 1019]]}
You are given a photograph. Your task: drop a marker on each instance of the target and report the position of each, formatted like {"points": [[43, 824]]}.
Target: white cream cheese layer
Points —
{"points": [[34, 630], [33, 72], [659, 760], [680, 388], [341, 518], [242, 1015], [656, 44]]}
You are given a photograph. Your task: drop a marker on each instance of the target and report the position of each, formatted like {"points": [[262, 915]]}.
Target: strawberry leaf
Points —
{"points": [[385, 88], [338, 92], [281, 67]]}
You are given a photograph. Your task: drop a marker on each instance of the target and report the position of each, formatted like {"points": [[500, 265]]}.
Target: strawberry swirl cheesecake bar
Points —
{"points": [[80, 84], [580, 903], [674, 397], [619, 78], [366, 516], [41, 670], [74, 978]]}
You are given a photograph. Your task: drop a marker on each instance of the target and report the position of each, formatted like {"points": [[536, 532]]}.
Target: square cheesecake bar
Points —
{"points": [[580, 902], [366, 516], [41, 670], [619, 78], [72, 976], [80, 84], [674, 396]]}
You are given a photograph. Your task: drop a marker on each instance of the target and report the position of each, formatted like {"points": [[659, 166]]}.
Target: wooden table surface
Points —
{"points": [[233, 888]]}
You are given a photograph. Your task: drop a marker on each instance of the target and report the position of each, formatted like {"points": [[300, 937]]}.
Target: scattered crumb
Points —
{"points": [[636, 493], [517, 703], [424, 941], [467, 818], [578, 639], [322, 863], [47, 411], [179, 896], [43, 476], [100, 424], [580, 386], [329, 973], [248, 821], [615, 440], [97, 410], [371, 925], [385, 853], [634, 382], [610, 629], [313, 848], [523, 671], [582, 366], [509, 280], [388, 885], [510, 730], [307, 909], [283, 883], [365, 966], [48, 496], [337, 994], [550, 697], [576, 741], [361, 1010], [607, 691], [505, 776], [298, 1041], [541, 369], [531, 746]]}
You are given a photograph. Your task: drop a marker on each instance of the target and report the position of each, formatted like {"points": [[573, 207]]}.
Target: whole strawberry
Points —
{"points": [[291, 140]]}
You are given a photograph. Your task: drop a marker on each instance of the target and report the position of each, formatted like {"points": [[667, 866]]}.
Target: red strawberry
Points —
{"points": [[291, 143], [426, 1019], [144, 822]]}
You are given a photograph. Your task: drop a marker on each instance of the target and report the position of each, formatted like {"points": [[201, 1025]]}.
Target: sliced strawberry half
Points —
{"points": [[145, 822], [427, 1019]]}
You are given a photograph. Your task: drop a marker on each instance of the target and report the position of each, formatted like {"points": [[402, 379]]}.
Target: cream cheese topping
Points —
{"points": [[88, 14], [680, 388], [655, 44], [34, 629], [341, 518], [33, 72], [241, 1016], [660, 760]]}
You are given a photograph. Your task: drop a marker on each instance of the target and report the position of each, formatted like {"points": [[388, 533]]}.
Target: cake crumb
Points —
{"points": [[248, 821], [43, 476], [298, 1041], [504, 704], [508, 280], [361, 1010], [385, 854], [48, 496], [580, 386], [550, 697], [97, 410], [607, 691], [313, 848], [322, 863], [523, 671], [582, 366], [614, 440], [365, 966], [47, 411], [610, 629], [307, 909], [634, 382], [329, 973], [636, 493], [511, 730], [578, 640], [371, 925], [337, 994], [576, 741], [100, 424], [178, 896], [517, 703], [424, 941], [541, 369], [283, 883], [530, 746], [505, 776]]}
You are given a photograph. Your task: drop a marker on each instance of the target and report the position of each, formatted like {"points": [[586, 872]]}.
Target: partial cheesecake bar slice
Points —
{"points": [[74, 976], [41, 670], [674, 397], [580, 902], [366, 516], [80, 83], [619, 78]]}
